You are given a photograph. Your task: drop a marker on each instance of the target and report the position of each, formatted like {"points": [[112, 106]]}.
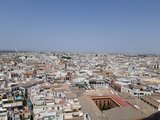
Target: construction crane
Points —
{"points": [[16, 51]]}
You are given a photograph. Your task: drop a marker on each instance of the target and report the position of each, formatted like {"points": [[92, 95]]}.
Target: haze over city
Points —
{"points": [[81, 25], [80, 60]]}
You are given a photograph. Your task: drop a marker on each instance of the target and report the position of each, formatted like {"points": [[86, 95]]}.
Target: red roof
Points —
{"points": [[119, 100]]}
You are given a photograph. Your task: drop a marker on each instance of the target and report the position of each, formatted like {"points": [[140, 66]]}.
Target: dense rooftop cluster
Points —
{"points": [[78, 86]]}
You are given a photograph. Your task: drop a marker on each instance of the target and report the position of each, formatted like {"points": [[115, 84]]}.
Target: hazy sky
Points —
{"points": [[81, 25]]}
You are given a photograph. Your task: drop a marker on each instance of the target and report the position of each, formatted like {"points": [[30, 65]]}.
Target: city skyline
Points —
{"points": [[81, 26]]}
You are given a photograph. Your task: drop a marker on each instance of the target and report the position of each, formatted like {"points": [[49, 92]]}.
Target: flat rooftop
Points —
{"points": [[88, 106]]}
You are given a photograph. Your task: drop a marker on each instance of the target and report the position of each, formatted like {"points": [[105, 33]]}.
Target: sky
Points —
{"points": [[116, 26]]}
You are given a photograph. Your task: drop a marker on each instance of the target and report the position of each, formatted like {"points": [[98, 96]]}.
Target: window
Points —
{"points": [[141, 94], [52, 118]]}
